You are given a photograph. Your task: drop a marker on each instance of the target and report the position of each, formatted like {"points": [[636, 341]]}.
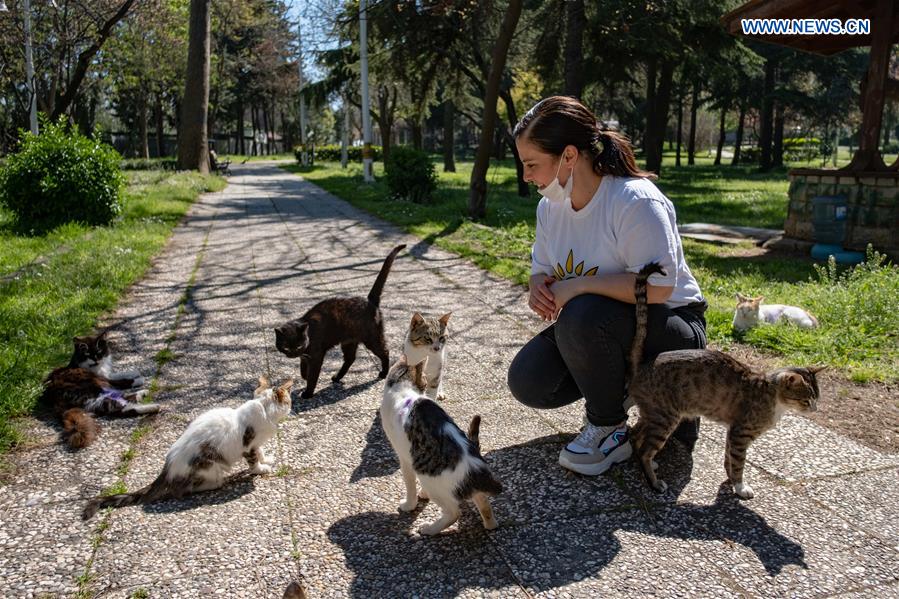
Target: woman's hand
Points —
{"points": [[562, 292], [540, 299]]}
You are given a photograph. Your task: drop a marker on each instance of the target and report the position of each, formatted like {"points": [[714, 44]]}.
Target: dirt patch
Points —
{"points": [[868, 413]]}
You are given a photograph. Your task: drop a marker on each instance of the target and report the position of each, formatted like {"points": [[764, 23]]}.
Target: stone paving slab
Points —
{"points": [[264, 251]]}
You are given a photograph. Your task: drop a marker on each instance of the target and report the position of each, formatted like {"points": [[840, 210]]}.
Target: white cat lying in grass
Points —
{"points": [[750, 312]]}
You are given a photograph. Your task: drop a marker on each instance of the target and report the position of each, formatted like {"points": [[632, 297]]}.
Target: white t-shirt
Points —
{"points": [[628, 223]]}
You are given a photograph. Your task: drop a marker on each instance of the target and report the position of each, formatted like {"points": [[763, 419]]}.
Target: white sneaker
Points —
{"points": [[596, 449]]}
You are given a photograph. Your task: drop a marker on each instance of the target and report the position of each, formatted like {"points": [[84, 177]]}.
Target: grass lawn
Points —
{"points": [[58, 285], [859, 313]]}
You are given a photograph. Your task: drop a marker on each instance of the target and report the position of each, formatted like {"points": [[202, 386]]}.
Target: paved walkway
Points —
{"points": [[824, 521]]}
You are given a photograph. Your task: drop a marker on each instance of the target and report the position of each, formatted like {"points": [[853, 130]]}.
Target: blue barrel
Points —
{"points": [[829, 215]]}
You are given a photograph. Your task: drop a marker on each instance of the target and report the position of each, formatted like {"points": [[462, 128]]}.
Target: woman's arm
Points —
{"points": [[619, 287]]}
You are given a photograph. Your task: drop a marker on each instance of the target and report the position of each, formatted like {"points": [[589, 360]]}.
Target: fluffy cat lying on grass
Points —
{"points": [[750, 312], [88, 386]]}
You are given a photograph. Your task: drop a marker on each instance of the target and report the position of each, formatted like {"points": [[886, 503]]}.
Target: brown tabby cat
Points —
{"points": [[87, 386], [347, 321], [701, 382]]}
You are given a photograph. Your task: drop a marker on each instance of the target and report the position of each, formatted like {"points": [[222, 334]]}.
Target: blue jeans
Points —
{"points": [[585, 352]]}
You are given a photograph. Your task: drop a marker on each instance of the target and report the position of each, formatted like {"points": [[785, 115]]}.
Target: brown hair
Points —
{"points": [[559, 121]]}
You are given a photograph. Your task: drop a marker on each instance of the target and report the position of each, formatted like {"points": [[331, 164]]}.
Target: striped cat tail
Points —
{"points": [[156, 490], [642, 315]]}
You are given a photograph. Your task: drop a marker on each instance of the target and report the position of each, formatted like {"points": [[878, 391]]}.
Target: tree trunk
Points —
{"points": [[738, 142], [241, 142], [574, 48], [651, 68], [143, 119], [267, 146], [160, 127], [680, 124], [193, 152], [477, 198], [449, 117], [721, 134], [694, 108], [767, 117], [254, 124], [777, 150], [416, 135], [512, 114], [659, 123]]}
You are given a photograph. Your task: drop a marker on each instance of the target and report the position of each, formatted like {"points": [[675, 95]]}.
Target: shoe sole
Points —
{"points": [[621, 454]]}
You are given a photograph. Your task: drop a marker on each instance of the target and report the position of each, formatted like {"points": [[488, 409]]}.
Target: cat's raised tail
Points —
{"points": [[474, 431], [156, 490], [374, 296], [642, 314], [79, 428]]}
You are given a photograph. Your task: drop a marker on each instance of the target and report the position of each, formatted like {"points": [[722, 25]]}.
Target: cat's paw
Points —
{"points": [[744, 491], [423, 495], [432, 529], [408, 506], [441, 397], [660, 486], [261, 469]]}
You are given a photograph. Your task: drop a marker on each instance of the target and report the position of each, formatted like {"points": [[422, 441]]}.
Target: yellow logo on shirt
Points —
{"points": [[570, 271]]}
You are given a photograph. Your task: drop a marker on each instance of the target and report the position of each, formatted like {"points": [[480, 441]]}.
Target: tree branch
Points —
{"points": [[86, 57]]}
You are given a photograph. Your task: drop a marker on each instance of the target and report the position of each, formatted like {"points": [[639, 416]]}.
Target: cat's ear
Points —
{"points": [[283, 392], [758, 300], [263, 384], [417, 319], [79, 343], [741, 298], [445, 318], [102, 336], [790, 379], [816, 369]]}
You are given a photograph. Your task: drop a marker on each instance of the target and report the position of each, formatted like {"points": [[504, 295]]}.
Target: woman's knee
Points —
{"points": [[520, 379]]}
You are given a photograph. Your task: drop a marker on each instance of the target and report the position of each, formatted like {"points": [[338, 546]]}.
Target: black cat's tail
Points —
{"points": [[642, 314], [374, 296], [79, 428], [156, 490]]}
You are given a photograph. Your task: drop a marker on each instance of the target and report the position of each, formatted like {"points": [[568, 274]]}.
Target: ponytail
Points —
{"points": [[616, 157]]}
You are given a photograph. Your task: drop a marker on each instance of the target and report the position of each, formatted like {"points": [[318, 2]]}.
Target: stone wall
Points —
{"points": [[873, 207]]}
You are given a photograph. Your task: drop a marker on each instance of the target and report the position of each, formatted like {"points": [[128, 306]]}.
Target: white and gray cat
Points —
{"points": [[212, 444], [750, 312], [426, 342], [432, 448]]}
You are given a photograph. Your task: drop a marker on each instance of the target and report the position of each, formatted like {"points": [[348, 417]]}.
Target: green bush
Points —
{"points": [[61, 176], [410, 174], [331, 153]]}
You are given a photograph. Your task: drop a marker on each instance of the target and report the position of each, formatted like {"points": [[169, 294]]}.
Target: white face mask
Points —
{"points": [[554, 192]]}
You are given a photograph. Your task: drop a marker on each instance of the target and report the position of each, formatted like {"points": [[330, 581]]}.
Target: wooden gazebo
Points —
{"points": [[871, 186]]}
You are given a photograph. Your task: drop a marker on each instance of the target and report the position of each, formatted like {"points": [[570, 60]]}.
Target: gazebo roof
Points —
{"points": [[809, 9]]}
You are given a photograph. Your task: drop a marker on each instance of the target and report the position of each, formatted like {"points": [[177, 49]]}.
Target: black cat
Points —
{"points": [[347, 321]]}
